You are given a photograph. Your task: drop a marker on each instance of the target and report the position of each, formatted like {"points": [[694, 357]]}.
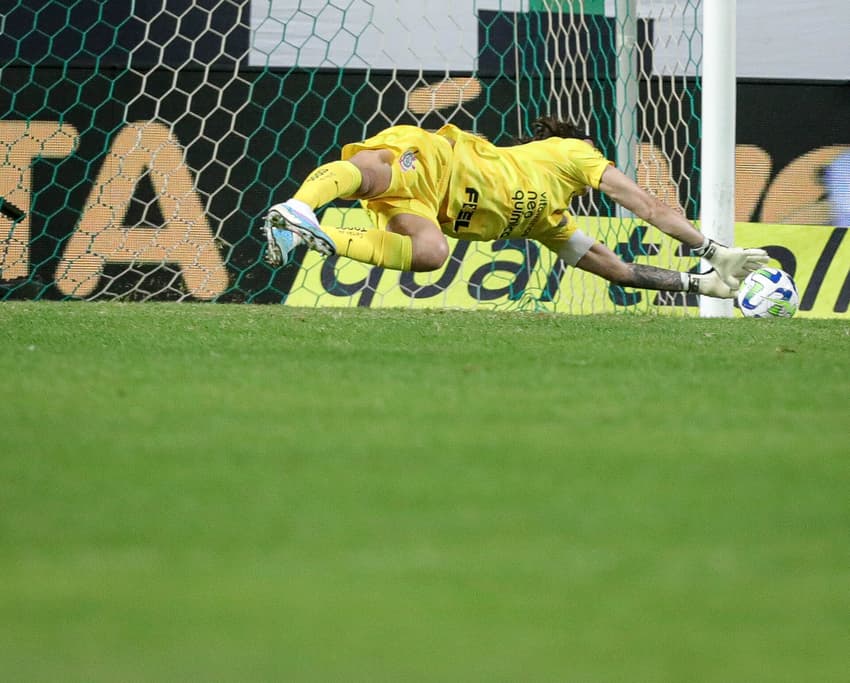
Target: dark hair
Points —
{"points": [[553, 127]]}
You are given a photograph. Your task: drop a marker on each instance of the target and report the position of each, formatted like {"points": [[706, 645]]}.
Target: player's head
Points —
{"points": [[553, 127]]}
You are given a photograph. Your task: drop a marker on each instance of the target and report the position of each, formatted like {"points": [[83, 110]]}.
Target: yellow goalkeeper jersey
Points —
{"points": [[476, 190], [516, 192]]}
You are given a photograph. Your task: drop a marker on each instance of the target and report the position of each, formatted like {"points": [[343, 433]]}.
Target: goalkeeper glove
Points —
{"points": [[710, 284], [732, 264]]}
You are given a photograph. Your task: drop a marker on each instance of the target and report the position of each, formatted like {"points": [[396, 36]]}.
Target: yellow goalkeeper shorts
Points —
{"points": [[421, 168]]}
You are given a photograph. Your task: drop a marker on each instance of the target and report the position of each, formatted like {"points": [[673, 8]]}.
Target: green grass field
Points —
{"points": [[261, 493]]}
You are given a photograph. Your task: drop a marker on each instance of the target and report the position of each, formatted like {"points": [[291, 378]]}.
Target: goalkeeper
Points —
{"points": [[419, 186]]}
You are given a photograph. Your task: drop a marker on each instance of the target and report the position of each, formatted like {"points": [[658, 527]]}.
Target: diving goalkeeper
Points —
{"points": [[419, 186]]}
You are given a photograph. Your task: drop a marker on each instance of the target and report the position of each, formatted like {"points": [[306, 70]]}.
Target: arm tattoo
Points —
{"points": [[650, 277]]}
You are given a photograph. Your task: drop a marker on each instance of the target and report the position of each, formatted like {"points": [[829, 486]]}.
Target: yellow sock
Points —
{"points": [[329, 182], [378, 247]]}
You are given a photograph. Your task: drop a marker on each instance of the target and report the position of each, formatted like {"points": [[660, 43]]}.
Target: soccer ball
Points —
{"points": [[768, 293]]}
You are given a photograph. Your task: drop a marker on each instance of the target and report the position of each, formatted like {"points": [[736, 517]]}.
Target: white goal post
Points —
{"points": [[718, 134]]}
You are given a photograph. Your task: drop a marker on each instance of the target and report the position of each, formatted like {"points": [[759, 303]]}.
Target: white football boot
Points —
{"points": [[290, 224]]}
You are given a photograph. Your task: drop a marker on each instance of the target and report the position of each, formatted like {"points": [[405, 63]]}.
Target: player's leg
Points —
{"points": [[405, 242], [366, 174], [429, 247], [409, 242], [288, 224], [400, 176]]}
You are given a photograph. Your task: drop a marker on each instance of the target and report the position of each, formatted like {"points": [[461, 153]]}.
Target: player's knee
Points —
{"points": [[375, 169], [430, 254]]}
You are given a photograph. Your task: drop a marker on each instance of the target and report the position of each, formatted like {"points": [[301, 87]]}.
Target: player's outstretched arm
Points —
{"points": [[600, 260], [732, 264], [628, 194]]}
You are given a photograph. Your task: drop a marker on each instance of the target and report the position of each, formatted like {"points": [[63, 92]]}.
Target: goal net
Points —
{"points": [[142, 142]]}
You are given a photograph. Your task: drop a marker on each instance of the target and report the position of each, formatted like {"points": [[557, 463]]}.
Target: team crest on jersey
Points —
{"points": [[408, 160]]}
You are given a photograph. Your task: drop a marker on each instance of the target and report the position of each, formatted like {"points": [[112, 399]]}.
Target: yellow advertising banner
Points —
{"points": [[523, 275]]}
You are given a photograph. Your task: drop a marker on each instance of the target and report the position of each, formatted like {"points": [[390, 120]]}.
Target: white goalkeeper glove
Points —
{"points": [[732, 264], [710, 284]]}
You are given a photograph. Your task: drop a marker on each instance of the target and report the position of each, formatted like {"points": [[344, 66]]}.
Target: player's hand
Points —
{"points": [[733, 264], [710, 284]]}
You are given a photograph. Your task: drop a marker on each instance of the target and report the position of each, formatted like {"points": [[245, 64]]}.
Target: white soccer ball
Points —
{"points": [[768, 293]]}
